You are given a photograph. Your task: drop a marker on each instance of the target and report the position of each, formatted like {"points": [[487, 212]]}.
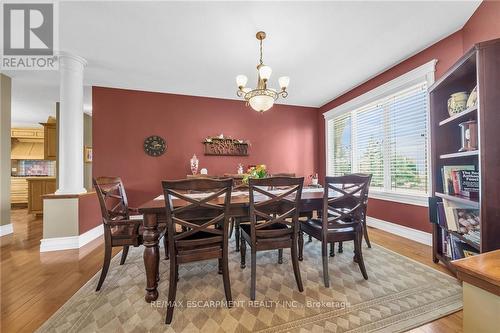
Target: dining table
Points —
{"points": [[154, 213]]}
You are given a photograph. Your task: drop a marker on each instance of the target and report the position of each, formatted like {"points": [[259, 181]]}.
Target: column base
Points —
{"points": [[63, 191]]}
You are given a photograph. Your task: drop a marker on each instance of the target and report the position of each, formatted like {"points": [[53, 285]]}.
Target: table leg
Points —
{"points": [[151, 256]]}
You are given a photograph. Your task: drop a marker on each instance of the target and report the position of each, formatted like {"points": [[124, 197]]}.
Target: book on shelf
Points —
{"points": [[462, 220], [445, 244], [451, 175], [468, 183], [466, 219], [473, 236], [460, 249]]}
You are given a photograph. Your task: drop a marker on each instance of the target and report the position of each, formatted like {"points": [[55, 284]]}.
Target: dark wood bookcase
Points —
{"points": [[479, 66]]}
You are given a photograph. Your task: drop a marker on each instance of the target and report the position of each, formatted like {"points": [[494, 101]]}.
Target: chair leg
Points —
{"points": [[295, 264], [332, 249], [172, 290], [124, 254], [310, 239], [359, 254], [341, 247], [237, 233], [231, 228], [301, 245], [225, 276], [105, 265], [165, 245], [243, 251], [280, 256], [365, 234], [220, 266], [253, 274], [324, 255]]}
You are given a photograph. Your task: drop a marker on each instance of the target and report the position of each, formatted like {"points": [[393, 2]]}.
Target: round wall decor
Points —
{"points": [[154, 145]]}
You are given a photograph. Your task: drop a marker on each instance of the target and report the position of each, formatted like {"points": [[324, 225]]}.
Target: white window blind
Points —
{"points": [[341, 159], [387, 138]]}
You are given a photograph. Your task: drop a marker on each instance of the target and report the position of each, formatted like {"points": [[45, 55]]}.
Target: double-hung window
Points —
{"points": [[385, 133]]}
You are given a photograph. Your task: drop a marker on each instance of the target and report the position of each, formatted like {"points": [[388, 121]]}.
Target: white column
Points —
{"points": [[70, 124]]}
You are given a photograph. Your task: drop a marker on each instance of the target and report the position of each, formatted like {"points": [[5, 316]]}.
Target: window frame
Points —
{"points": [[425, 72]]}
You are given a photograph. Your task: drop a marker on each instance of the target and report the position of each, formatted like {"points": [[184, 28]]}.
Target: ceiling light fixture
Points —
{"points": [[261, 98]]}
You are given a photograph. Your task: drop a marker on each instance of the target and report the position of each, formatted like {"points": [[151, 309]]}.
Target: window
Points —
{"points": [[385, 135]]}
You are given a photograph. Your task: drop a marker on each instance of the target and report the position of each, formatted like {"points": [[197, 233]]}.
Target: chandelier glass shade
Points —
{"points": [[261, 98]]}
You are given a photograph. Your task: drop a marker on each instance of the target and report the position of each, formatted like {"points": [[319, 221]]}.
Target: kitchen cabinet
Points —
{"points": [[26, 143], [50, 141], [37, 188], [18, 190], [26, 133]]}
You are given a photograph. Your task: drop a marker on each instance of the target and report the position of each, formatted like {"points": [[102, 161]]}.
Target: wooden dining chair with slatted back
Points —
{"points": [[122, 224], [344, 202], [274, 222], [197, 227]]}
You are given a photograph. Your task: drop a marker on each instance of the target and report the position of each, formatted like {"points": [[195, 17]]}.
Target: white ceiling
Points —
{"points": [[197, 48]]}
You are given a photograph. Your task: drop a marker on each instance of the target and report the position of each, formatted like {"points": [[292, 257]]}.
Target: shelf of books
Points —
{"points": [[465, 156]]}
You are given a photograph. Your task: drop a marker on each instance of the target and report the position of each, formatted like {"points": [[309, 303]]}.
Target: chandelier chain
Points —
{"points": [[261, 52]]}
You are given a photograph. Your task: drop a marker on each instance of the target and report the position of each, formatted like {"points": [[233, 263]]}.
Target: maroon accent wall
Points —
{"points": [[284, 138], [89, 212], [483, 25]]}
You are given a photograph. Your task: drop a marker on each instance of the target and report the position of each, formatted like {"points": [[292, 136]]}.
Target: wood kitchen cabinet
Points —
{"points": [[50, 141], [37, 188], [18, 190], [26, 133]]}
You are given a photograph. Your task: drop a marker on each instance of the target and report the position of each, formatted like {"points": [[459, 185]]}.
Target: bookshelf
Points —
{"points": [[479, 66]]}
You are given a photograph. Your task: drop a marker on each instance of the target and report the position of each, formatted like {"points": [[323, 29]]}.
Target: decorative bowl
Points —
{"points": [[457, 102]]}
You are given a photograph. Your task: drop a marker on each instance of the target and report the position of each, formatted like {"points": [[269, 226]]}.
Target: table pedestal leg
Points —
{"points": [[151, 256]]}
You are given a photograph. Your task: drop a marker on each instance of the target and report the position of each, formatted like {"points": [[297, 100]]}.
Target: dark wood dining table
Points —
{"points": [[154, 212]]}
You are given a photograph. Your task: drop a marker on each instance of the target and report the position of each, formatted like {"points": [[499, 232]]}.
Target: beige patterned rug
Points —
{"points": [[400, 294]]}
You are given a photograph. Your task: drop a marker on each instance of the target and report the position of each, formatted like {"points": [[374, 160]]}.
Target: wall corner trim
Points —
{"points": [[6, 229], [396, 229], [73, 242]]}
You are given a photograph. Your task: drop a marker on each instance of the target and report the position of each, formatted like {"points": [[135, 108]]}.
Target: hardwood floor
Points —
{"points": [[34, 285]]}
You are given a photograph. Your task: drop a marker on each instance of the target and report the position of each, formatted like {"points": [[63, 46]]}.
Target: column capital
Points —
{"points": [[74, 57]]}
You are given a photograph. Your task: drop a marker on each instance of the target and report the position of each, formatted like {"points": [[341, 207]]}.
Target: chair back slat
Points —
{"points": [[269, 210], [345, 199], [207, 214], [112, 198]]}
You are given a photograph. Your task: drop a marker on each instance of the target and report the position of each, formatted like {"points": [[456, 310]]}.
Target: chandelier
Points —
{"points": [[261, 98]]}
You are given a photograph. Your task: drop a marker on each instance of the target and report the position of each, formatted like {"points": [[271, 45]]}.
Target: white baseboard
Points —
{"points": [[73, 242], [90, 235], [6, 229], [396, 229]]}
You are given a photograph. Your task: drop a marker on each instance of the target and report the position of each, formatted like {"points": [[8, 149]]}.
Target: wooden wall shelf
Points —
{"points": [[469, 112], [459, 199], [460, 154]]}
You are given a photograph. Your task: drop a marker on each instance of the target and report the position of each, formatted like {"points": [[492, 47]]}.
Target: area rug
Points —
{"points": [[399, 294]]}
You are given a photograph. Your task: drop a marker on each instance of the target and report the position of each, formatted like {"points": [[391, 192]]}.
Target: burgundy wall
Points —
{"points": [[483, 25], [283, 138], [89, 212]]}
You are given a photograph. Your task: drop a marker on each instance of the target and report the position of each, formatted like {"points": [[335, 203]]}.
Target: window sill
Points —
{"points": [[410, 199]]}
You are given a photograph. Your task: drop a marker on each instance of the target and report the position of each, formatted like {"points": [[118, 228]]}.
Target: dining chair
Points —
{"points": [[344, 201], [237, 221], [365, 229], [274, 222], [198, 229], [122, 224]]}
